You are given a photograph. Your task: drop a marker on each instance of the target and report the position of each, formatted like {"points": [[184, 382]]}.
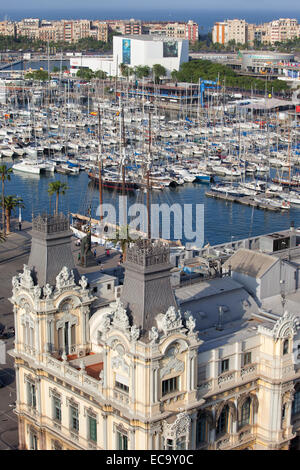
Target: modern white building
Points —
{"points": [[134, 51], [150, 50]]}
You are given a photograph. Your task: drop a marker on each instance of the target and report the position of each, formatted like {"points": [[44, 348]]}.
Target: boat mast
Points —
{"points": [[100, 164], [148, 181]]}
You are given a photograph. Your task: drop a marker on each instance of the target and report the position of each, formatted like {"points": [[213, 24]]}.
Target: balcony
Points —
{"points": [[85, 374], [226, 380], [121, 397]]}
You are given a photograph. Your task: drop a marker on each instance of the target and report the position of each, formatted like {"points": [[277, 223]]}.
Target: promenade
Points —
{"points": [[14, 253]]}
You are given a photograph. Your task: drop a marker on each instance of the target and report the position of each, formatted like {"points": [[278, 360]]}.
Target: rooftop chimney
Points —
{"points": [[147, 289], [50, 248]]}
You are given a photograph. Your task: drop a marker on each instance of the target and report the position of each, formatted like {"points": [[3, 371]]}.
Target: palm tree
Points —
{"points": [[123, 239], [10, 204], [4, 175], [57, 187]]}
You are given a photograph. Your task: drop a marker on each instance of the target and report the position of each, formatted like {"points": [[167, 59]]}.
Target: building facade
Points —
{"points": [[198, 367], [280, 30]]}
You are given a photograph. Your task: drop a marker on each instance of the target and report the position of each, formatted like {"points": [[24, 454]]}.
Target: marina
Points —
{"points": [[222, 152]]}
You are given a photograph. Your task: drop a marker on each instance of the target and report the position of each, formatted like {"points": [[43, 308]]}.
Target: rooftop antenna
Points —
{"points": [[283, 298], [219, 325]]}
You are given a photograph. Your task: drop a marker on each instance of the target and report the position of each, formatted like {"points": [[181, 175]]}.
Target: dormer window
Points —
{"points": [[285, 349]]}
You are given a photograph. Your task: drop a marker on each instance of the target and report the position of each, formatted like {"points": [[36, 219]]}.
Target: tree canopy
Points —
{"points": [[205, 69]]}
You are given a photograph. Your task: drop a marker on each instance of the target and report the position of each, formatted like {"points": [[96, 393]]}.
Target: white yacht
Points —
{"points": [[34, 166]]}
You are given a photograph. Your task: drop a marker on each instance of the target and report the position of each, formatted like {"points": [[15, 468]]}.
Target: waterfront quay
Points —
{"points": [[245, 200]]}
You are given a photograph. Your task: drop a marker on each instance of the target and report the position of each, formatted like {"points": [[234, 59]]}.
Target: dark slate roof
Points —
{"points": [[50, 248]]}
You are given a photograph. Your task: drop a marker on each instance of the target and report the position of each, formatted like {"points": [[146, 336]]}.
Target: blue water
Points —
{"points": [[224, 221], [36, 65], [204, 17]]}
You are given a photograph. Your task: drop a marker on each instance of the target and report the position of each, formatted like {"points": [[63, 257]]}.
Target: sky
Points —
{"points": [[49, 5]]}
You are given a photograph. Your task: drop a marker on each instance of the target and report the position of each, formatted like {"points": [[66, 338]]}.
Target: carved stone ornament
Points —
{"points": [[173, 363], [118, 362], [47, 291], [153, 335], [105, 324], [83, 282], [67, 318], [26, 278], [180, 427], [65, 278], [190, 323], [134, 333], [119, 317], [15, 282], [171, 320], [37, 291], [286, 326]]}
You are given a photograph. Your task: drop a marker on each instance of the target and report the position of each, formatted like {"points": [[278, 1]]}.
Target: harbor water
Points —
{"points": [[224, 221]]}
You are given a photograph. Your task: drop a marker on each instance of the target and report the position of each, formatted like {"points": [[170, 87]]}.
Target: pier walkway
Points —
{"points": [[245, 200]]}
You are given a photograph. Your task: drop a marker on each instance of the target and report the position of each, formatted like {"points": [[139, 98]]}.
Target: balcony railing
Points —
{"points": [[226, 379]]}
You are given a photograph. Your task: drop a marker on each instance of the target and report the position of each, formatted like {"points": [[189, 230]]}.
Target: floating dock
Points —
{"points": [[245, 200]]}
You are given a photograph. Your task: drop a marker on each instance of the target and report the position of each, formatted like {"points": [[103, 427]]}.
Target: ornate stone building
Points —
{"points": [[200, 367]]}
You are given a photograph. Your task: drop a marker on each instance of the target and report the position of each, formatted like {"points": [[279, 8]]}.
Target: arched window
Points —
{"points": [[285, 347], [201, 431], [245, 413], [223, 421], [296, 403]]}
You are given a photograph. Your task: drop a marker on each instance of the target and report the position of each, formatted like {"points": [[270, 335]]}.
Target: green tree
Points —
{"points": [[158, 72], [40, 75], [5, 174], [57, 188], [85, 74], [100, 74], [123, 239], [174, 75], [125, 70], [142, 71], [10, 205]]}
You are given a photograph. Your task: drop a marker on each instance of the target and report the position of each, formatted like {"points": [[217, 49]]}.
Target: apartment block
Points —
{"points": [[28, 27], [220, 33], [7, 28], [101, 28]]}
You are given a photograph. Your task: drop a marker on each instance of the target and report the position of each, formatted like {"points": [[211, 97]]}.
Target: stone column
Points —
{"points": [[188, 372], [17, 339], [105, 369], [48, 336], [151, 386], [156, 441], [234, 422], [212, 437], [64, 356], [21, 433], [193, 430], [37, 336], [38, 395], [87, 327], [69, 337], [156, 385], [104, 417], [132, 393], [132, 439]]}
